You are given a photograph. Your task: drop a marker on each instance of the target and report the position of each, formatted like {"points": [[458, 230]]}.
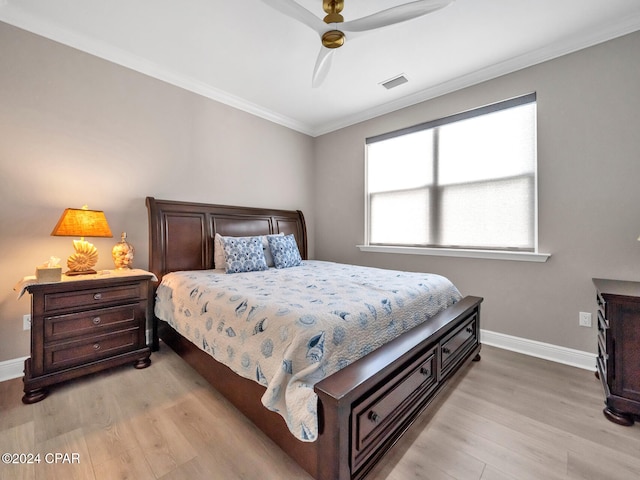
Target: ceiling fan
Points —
{"points": [[331, 29]]}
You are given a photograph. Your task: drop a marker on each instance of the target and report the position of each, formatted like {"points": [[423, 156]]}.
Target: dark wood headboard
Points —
{"points": [[181, 233]]}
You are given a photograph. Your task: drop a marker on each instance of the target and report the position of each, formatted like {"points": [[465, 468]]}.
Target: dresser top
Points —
{"points": [[617, 287]]}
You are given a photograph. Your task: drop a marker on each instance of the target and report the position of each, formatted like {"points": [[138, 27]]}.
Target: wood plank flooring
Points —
{"points": [[509, 417]]}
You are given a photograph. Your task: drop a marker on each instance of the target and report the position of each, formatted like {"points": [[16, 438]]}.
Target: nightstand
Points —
{"points": [[82, 325]]}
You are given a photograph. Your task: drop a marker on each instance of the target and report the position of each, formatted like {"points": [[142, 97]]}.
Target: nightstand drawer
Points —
{"points": [[64, 355], [93, 297], [92, 322]]}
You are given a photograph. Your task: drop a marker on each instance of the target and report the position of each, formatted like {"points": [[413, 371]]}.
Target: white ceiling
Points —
{"points": [[245, 54]]}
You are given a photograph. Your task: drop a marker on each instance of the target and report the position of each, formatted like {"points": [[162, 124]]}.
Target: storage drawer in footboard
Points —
{"points": [[457, 345], [384, 411]]}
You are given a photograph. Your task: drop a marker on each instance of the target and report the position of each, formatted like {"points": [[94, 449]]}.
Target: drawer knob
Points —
{"points": [[446, 351], [374, 417], [96, 346], [425, 371], [97, 296], [469, 330], [96, 320]]}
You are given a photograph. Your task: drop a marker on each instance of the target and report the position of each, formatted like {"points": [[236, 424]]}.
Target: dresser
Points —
{"points": [[82, 325], [618, 363]]}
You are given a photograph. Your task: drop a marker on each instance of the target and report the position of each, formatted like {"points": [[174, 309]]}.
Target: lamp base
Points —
{"points": [[83, 261], [72, 273]]}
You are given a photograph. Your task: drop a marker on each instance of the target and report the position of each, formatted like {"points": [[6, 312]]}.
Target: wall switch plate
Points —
{"points": [[584, 320], [26, 322]]}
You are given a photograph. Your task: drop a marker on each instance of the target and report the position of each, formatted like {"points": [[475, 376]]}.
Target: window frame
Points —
{"points": [[499, 254]]}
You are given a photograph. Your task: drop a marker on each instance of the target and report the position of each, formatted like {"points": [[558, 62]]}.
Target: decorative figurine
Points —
{"points": [[123, 253]]}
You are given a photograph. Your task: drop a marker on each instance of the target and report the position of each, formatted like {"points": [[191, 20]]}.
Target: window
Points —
{"points": [[463, 182]]}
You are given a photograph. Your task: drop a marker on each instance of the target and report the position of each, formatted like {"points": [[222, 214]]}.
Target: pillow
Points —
{"points": [[218, 250], [267, 249], [285, 251], [243, 254]]}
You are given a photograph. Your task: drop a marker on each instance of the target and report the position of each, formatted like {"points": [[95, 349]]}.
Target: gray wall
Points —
{"points": [[589, 194], [75, 129]]}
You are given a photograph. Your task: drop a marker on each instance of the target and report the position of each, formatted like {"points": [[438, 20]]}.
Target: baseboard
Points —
{"points": [[12, 369], [547, 351]]}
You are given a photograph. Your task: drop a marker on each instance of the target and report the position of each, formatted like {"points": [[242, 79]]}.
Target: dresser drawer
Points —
{"points": [[381, 415], [603, 326], [68, 354], [92, 298], [601, 361], [92, 322], [458, 343], [602, 304]]}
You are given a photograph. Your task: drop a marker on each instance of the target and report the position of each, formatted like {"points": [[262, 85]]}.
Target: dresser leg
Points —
{"points": [[142, 363], [476, 358], [34, 396], [620, 418]]}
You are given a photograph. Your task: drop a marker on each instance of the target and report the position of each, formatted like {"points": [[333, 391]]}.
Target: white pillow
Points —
{"points": [[218, 250]]}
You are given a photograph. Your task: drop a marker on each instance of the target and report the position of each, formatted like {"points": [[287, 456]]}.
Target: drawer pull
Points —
{"points": [[446, 351], [96, 320], [469, 330], [97, 296], [373, 416], [96, 346], [425, 371]]}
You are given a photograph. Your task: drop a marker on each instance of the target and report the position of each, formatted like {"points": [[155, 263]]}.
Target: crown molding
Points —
{"points": [[38, 26], [549, 52], [19, 18]]}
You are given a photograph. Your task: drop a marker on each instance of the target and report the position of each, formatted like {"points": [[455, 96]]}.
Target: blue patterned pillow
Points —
{"points": [[285, 251], [243, 254]]}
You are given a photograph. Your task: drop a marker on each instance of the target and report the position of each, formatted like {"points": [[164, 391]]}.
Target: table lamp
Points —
{"points": [[82, 222]]}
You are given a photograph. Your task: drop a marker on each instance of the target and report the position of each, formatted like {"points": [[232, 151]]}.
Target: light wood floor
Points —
{"points": [[509, 417]]}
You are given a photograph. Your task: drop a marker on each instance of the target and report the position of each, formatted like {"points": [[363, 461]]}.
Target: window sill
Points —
{"points": [[452, 252]]}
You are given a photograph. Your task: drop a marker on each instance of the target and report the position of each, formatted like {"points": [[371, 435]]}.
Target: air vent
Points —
{"points": [[394, 82]]}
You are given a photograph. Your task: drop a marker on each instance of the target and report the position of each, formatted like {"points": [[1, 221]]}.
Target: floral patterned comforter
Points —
{"points": [[289, 328]]}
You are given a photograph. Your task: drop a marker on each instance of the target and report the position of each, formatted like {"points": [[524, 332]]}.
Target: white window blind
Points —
{"points": [[465, 181]]}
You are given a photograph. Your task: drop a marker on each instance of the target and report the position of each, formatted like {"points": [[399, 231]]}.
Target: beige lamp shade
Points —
{"points": [[82, 222], [78, 222]]}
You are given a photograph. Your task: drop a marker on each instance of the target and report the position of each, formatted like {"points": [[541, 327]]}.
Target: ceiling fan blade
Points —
{"points": [[293, 9], [323, 65], [394, 15]]}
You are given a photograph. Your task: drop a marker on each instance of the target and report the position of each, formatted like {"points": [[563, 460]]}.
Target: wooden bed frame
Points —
{"points": [[364, 408]]}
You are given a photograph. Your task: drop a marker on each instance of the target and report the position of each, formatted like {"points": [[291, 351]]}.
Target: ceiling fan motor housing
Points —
{"points": [[333, 39]]}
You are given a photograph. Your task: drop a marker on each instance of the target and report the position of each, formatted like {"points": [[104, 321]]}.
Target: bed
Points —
{"points": [[362, 408]]}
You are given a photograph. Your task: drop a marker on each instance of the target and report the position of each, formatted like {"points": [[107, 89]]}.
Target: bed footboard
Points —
{"points": [[374, 400]]}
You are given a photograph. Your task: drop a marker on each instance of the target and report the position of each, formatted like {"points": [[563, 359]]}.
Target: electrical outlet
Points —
{"points": [[584, 320], [26, 322]]}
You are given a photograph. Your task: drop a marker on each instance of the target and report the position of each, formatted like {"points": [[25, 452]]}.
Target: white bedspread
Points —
{"points": [[287, 329]]}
